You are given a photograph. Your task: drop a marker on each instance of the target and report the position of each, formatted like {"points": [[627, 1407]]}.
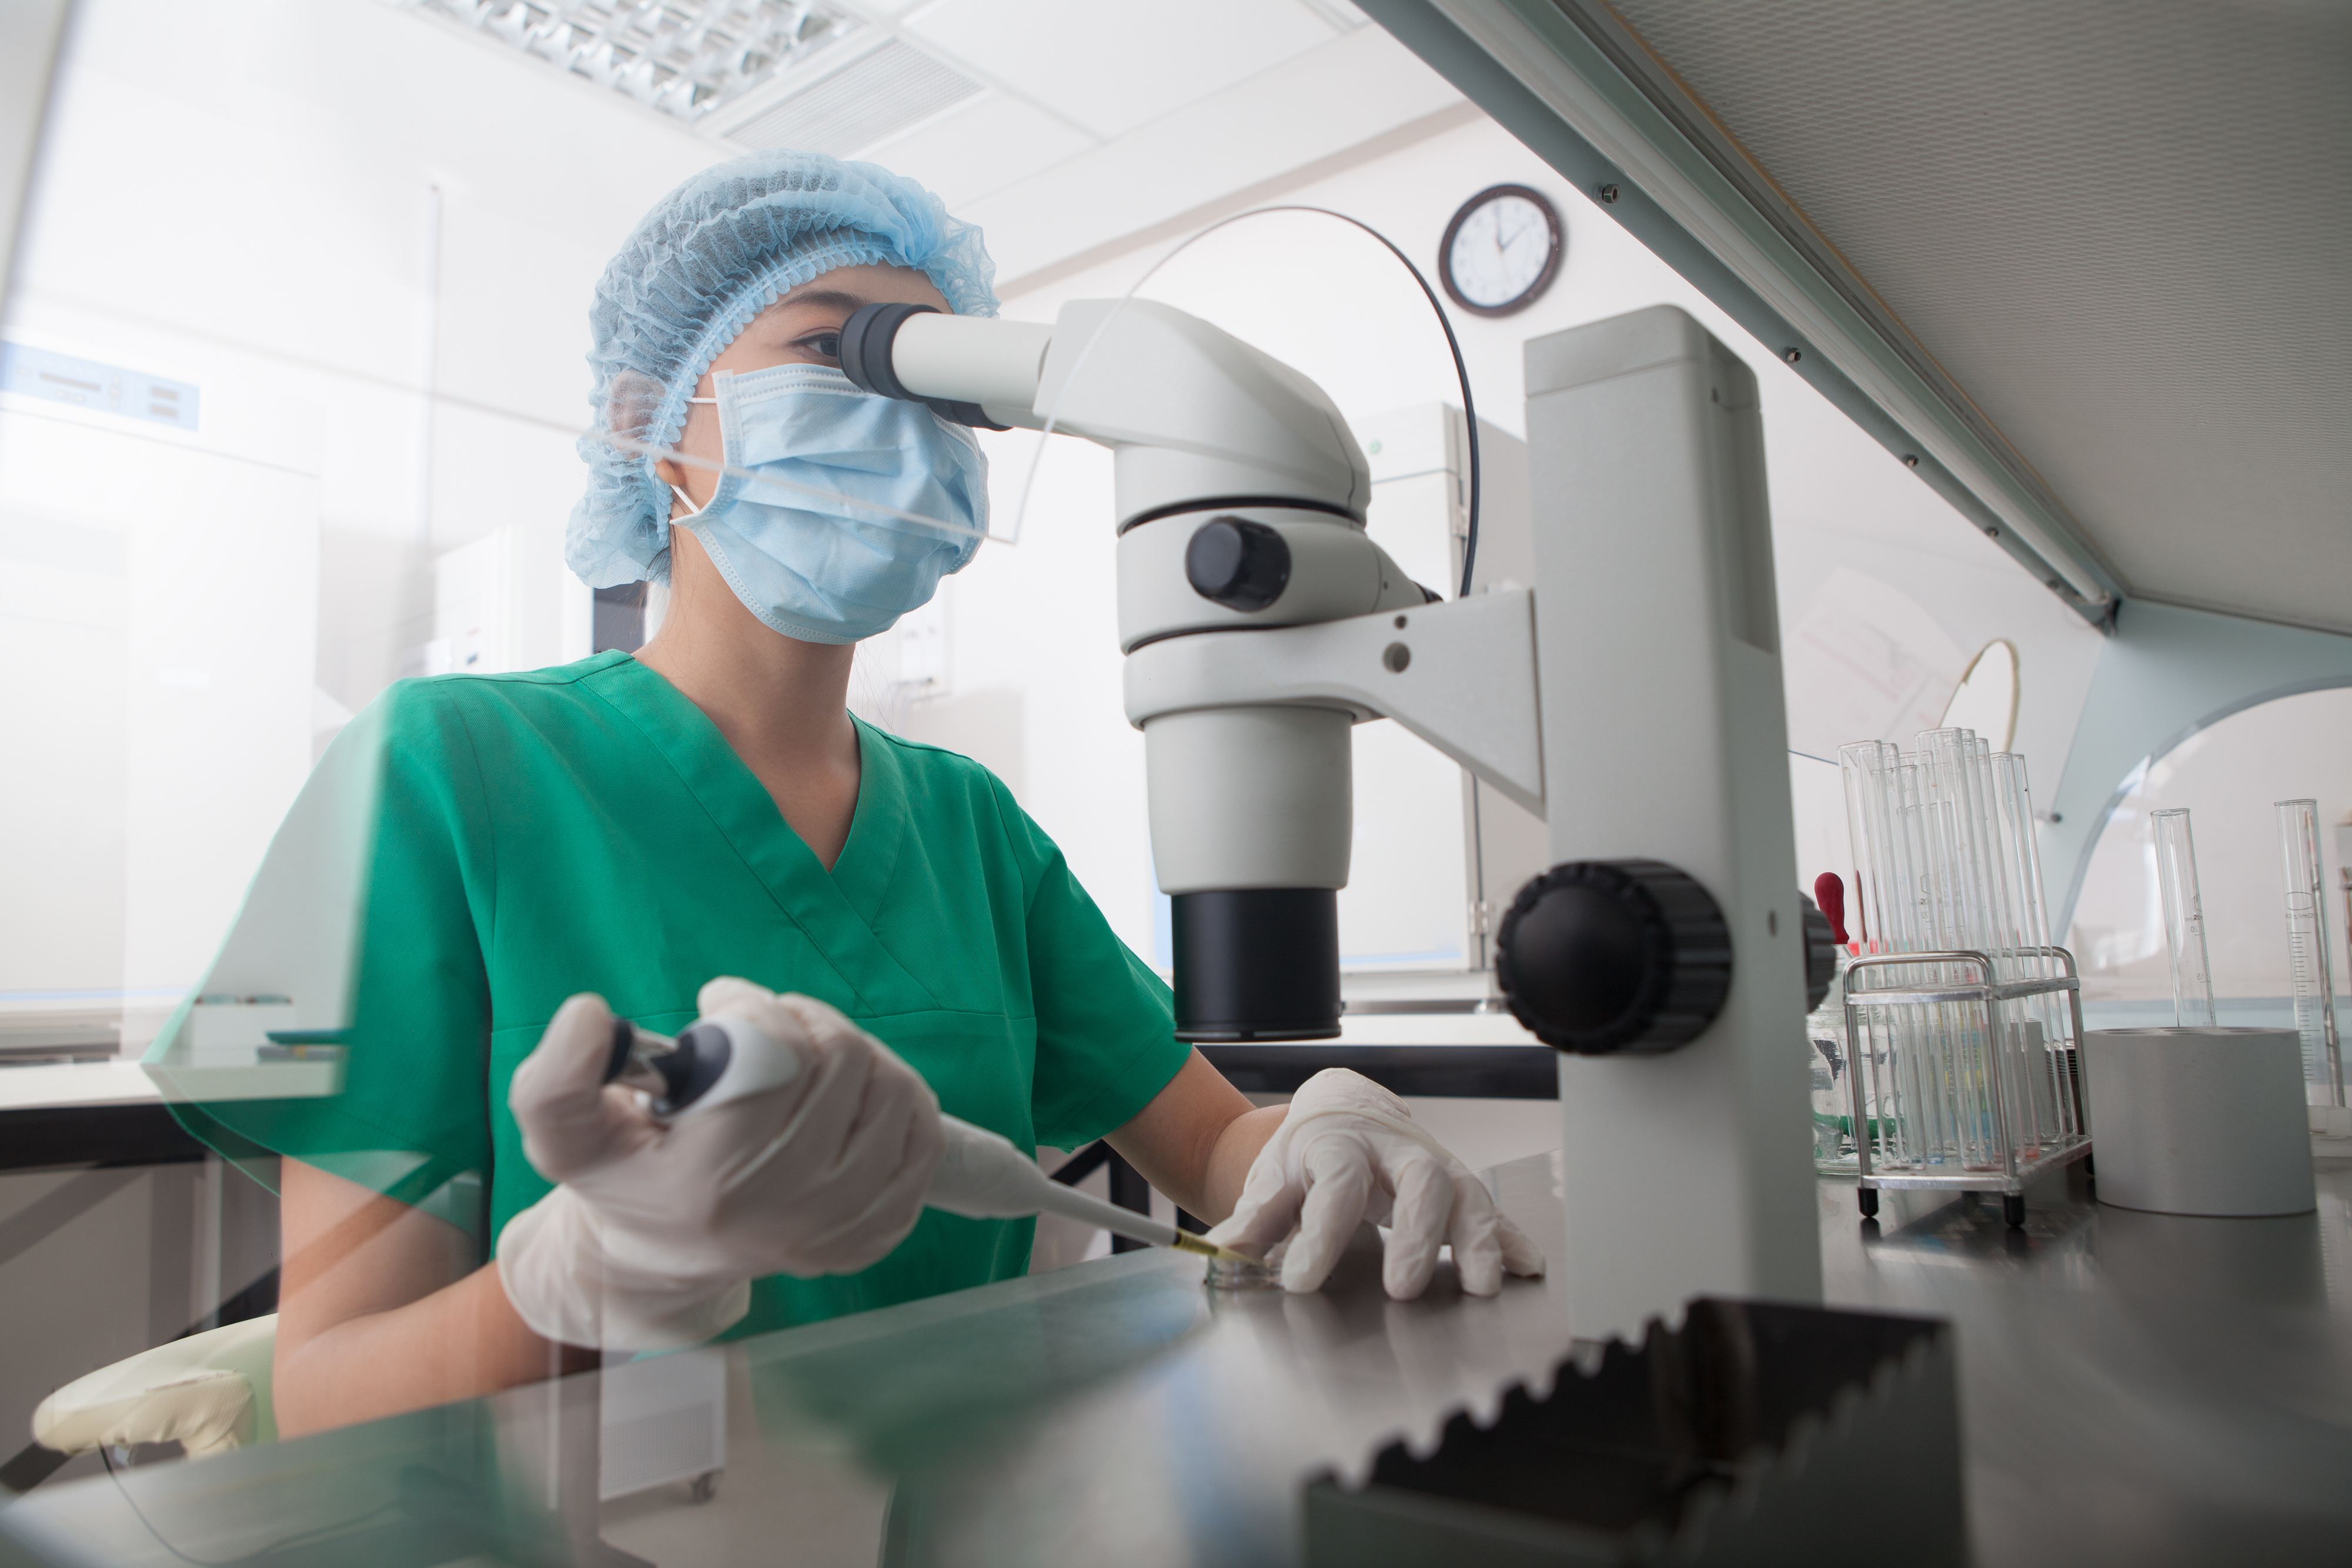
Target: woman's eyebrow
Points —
{"points": [[825, 298]]}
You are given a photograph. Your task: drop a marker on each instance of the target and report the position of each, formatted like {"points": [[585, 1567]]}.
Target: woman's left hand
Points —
{"points": [[1348, 1151]]}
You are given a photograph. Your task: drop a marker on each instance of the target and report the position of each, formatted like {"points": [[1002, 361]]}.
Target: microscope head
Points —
{"points": [[1240, 503]]}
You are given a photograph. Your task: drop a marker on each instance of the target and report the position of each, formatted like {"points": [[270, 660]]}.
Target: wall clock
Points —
{"points": [[1501, 251]]}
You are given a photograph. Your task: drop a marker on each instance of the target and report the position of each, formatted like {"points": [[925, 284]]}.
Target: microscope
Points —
{"points": [[1632, 697]]}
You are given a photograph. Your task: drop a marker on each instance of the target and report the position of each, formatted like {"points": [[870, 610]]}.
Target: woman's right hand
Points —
{"points": [[657, 1225]]}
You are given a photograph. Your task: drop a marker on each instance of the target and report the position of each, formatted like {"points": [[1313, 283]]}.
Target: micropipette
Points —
{"points": [[982, 1175]]}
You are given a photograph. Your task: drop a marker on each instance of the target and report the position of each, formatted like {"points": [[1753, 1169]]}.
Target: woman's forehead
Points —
{"points": [[847, 287]]}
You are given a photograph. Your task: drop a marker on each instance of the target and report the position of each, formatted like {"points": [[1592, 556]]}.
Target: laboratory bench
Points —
{"points": [[110, 1113], [105, 1113], [2132, 1387], [1424, 1071], [1450, 1049]]}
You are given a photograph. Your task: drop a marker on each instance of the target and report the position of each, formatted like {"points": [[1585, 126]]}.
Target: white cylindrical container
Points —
{"points": [[2200, 1121]]}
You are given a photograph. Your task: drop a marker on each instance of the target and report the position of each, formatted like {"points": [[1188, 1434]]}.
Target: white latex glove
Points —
{"points": [[1348, 1151], [655, 1230]]}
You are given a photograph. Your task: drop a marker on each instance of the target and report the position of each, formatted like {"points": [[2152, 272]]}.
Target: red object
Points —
{"points": [[1829, 893]]}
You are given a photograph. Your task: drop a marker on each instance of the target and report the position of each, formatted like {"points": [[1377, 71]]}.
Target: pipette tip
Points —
{"points": [[1187, 1243]]}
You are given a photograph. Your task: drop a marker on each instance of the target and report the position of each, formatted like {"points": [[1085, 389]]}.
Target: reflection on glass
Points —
{"points": [[1986, 699]]}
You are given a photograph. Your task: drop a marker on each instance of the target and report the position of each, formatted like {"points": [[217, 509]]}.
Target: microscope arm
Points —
{"points": [[1460, 675]]}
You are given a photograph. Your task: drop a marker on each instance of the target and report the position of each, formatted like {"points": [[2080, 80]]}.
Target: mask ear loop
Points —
{"points": [[692, 511]]}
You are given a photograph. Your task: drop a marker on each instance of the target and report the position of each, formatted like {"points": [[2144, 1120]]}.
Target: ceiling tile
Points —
{"points": [[1113, 64], [1320, 103], [873, 98], [979, 147]]}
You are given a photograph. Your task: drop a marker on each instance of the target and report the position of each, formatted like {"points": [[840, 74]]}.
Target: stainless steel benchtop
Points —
{"points": [[2135, 1388]]}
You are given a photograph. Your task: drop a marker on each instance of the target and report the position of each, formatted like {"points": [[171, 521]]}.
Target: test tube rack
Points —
{"points": [[1964, 1094]]}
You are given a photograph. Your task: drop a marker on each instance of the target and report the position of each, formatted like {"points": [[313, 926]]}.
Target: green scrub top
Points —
{"points": [[586, 827]]}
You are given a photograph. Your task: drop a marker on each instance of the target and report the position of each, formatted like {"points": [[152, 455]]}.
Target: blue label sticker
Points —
{"points": [[86, 384]]}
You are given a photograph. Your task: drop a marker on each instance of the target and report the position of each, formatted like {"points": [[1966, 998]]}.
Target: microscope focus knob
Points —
{"points": [[1821, 951], [1237, 563], [1603, 957]]}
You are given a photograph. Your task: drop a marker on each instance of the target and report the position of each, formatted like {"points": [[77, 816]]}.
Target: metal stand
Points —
{"points": [[2007, 1164]]}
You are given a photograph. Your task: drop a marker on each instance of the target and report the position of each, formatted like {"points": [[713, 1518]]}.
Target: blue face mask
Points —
{"points": [[809, 561]]}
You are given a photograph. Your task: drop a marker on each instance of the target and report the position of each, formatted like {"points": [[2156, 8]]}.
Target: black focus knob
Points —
{"points": [[1237, 563], [1601, 957], [1820, 953]]}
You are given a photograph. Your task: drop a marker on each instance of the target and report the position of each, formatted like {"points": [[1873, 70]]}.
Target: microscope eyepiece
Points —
{"points": [[868, 339]]}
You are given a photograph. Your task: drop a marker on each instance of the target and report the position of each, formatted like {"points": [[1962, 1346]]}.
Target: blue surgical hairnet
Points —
{"points": [[714, 254]]}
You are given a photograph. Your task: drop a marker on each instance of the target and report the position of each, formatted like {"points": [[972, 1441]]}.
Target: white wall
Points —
{"points": [[352, 207], [372, 240], [2229, 778], [369, 242], [1033, 624]]}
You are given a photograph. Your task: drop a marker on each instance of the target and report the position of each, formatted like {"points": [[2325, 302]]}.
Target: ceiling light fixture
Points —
{"points": [[679, 57]]}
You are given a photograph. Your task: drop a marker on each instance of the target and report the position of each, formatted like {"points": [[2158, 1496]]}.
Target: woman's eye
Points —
{"points": [[824, 345]]}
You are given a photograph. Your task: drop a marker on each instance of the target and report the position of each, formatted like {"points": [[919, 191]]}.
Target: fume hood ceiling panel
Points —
{"points": [[2123, 228], [2095, 255]]}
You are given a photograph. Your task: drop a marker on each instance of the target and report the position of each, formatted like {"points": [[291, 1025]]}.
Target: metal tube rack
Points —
{"points": [[2010, 1170]]}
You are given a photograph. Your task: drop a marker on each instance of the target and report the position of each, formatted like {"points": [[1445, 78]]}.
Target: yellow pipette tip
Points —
{"points": [[1188, 1242]]}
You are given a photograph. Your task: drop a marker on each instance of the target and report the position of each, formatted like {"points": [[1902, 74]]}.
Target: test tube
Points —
{"points": [[1961, 778], [1956, 784], [2026, 1096], [1862, 766], [2184, 920], [2056, 1017], [2344, 883], [1950, 1109], [1884, 1059], [2307, 960]]}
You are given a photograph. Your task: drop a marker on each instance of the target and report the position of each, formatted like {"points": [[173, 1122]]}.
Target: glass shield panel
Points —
{"points": [[293, 398]]}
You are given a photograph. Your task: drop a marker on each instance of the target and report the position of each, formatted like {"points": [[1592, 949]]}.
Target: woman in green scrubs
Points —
{"points": [[637, 824]]}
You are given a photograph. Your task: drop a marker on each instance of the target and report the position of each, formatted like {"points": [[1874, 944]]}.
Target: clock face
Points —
{"points": [[1501, 250]]}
